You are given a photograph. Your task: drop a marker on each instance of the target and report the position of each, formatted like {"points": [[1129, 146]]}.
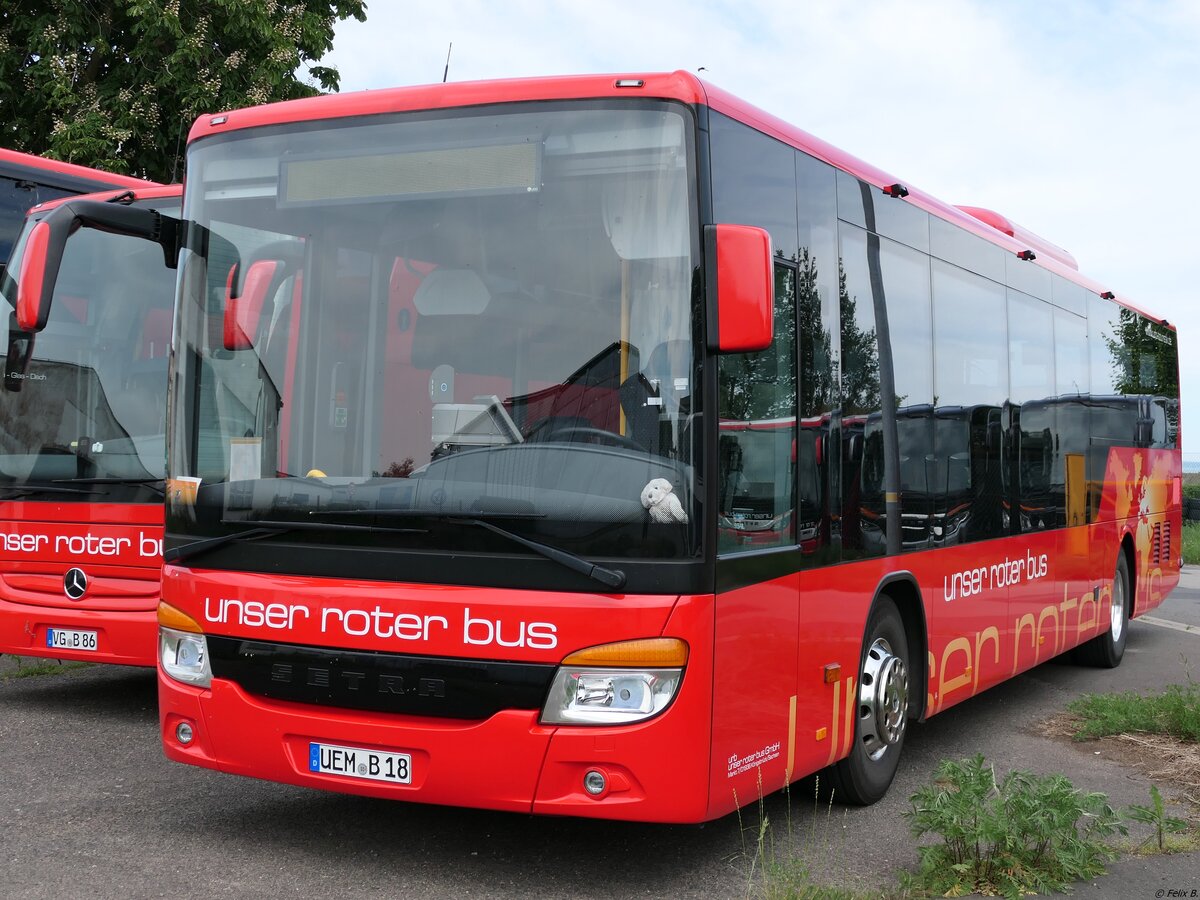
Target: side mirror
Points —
{"points": [[741, 279], [246, 296], [42, 255], [16, 364], [40, 261], [243, 312]]}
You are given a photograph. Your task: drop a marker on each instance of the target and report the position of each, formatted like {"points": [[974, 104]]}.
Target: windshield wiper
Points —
{"points": [[11, 493], [270, 528], [155, 484], [613, 578]]}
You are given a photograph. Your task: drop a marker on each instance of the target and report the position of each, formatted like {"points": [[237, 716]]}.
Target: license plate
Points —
{"points": [[70, 639], [355, 762]]}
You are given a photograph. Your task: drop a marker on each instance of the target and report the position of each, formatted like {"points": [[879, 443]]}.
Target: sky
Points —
{"points": [[1077, 119]]}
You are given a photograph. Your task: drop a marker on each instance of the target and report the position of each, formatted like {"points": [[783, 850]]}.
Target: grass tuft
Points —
{"points": [[43, 667], [777, 870], [1191, 543], [1174, 712]]}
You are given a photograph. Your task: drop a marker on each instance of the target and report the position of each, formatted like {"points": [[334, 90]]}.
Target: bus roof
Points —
{"points": [[149, 192], [63, 175], [681, 86]]}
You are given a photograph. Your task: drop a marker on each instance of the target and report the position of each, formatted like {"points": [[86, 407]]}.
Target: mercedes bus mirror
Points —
{"points": [[741, 288], [40, 259], [16, 363], [42, 255], [243, 310]]}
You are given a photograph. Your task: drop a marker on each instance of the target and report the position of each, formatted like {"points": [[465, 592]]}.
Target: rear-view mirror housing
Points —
{"points": [[42, 255], [741, 285], [243, 311]]}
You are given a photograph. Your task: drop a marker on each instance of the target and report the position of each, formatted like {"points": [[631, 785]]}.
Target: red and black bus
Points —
{"points": [[27, 180], [604, 446], [82, 447]]}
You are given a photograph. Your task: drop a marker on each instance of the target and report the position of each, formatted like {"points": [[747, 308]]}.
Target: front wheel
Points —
{"points": [[1105, 650], [864, 776]]}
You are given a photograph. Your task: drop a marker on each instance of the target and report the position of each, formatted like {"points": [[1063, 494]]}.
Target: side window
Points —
{"points": [[1133, 356], [970, 386], [1032, 393], [903, 276], [15, 199], [818, 461], [754, 182], [1072, 420], [757, 447], [862, 475]]}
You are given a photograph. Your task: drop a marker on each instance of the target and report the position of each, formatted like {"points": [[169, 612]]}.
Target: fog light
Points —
{"points": [[183, 733], [594, 783]]}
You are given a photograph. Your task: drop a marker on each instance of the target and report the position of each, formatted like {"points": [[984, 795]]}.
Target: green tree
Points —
{"points": [[117, 83]]}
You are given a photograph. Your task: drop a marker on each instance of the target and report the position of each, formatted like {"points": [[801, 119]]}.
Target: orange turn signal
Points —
{"points": [[651, 653], [170, 617]]}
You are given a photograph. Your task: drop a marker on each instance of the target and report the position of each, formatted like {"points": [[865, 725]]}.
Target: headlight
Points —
{"points": [[184, 656], [615, 684]]}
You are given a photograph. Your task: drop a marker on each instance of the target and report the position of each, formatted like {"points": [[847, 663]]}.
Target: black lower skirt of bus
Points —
{"points": [[446, 687]]}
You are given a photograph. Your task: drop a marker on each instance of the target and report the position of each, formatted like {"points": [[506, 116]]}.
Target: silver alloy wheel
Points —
{"points": [[882, 699], [1117, 614]]}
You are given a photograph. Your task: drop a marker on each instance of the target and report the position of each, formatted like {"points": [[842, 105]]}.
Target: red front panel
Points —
{"points": [[769, 694], [655, 770], [118, 548], [755, 696]]}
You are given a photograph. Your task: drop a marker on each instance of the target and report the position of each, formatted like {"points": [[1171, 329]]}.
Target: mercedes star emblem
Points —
{"points": [[75, 584]]}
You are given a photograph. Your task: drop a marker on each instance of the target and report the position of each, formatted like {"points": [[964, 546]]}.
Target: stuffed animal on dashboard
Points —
{"points": [[660, 500]]}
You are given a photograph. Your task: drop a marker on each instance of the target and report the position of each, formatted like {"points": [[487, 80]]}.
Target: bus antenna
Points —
{"points": [[446, 71]]}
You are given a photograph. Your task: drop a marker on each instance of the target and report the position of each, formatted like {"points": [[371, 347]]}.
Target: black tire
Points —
{"points": [[1105, 650], [864, 776]]}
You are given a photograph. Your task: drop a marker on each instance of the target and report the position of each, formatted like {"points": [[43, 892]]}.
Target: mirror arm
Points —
{"points": [[148, 224], [48, 240]]}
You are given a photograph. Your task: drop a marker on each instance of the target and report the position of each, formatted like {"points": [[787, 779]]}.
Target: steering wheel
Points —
{"points": [[571, 432]]}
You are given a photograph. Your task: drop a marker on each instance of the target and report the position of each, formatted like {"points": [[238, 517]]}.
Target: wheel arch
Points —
{"points": [[1127, 548], [903, 590]]}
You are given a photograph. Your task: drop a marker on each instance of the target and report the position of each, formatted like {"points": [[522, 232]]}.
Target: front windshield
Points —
{"points": [[83, 402], [406, 321]]}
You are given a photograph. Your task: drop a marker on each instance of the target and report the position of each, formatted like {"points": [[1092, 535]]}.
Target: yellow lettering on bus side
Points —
{"points": [[837, 715], [958, 645], [1021, 623], [991, 633], [1086, 623], [1045, 614]]}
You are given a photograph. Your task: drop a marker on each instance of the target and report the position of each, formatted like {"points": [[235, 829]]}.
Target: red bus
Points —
{"points": [[611, 432], [27, 180], [82, 449]]}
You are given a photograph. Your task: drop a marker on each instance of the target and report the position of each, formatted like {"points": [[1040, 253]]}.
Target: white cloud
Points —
{"points": [[1078, 119]]}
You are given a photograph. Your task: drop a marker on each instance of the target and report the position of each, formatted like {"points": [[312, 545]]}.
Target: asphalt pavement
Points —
{"points": [[90, 807]]}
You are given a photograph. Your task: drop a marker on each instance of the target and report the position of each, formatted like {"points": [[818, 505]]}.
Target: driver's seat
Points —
{"points": [[658, 394]]}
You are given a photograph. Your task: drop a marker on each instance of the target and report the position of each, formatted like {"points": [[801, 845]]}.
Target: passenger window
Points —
{"points": [[757, 443]]}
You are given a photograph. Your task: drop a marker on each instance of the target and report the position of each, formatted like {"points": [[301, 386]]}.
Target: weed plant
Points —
{"points": [[777, 870], [1024, 834], [1155, 815], [1175, 712]]}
